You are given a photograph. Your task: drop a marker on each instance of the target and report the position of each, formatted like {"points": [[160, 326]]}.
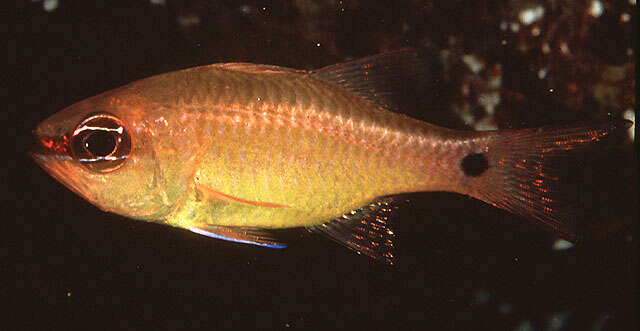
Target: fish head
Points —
{"points": [[101, 149]]}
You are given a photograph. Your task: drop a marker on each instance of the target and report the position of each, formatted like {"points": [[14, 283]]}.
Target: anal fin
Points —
{"points": [[253, 236], [367, 231]]}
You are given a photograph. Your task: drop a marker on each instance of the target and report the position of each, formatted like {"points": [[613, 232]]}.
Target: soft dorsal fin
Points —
{"points": [[379, 78], [367, 230], [243, 235]]}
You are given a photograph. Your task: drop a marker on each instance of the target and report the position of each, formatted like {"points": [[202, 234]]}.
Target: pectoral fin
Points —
{"points": [[211, 195], [243, 235]]}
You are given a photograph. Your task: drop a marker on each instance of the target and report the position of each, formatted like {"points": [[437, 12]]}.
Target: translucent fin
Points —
{"points": [[366, 231], [243, 235], [524, 172], [379, 78], [213, 195]]}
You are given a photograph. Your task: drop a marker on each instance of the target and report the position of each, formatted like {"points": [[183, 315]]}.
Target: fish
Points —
{"points": [[236, 151]]}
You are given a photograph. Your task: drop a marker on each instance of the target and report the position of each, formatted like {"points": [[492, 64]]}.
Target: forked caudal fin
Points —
{"points": [[520, 172]]}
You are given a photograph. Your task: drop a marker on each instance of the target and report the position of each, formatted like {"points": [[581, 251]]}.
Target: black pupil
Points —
{"points": [[100, 143]]}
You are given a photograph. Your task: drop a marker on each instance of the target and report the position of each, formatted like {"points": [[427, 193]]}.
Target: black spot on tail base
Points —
{"points": [[474, 164]]}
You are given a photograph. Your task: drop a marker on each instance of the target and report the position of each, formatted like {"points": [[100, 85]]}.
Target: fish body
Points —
{"points": [[229, 150], [284, 138]]}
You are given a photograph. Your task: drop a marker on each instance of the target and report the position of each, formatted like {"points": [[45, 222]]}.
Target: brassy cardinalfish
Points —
{"points": [[235, 150]]}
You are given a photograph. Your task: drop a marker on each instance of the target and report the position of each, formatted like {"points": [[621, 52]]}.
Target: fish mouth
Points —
{"points": [[33, 145], [50, 153], [48, 147], [53, 156]]}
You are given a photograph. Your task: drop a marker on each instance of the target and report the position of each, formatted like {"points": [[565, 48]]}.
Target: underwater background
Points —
{"points": [[463, 265]]}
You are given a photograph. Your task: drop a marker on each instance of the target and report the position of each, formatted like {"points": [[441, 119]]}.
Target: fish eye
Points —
{"points": [[101, 143]]}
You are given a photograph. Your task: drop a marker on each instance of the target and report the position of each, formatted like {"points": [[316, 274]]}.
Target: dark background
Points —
{"points": [[463, 264]]}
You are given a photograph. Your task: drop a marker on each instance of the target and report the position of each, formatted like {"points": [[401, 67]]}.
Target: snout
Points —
{"points": [[43, 148]]}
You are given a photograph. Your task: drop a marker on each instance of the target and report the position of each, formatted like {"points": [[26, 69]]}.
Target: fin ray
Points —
{"points": [[379, 78], [367, 231], [524, 177]]}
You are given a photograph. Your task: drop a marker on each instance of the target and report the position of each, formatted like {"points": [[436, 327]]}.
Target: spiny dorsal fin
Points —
{"points": [[367, 230], [256, 68], [258, 237], [379, 78]]}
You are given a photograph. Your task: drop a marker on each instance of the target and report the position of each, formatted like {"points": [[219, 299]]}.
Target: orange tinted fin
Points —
{"points": [[210, 194], [524, 172], [367, 230]]}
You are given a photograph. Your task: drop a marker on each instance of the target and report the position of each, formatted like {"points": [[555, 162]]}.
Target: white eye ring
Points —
{"points": [[111, 142]]}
